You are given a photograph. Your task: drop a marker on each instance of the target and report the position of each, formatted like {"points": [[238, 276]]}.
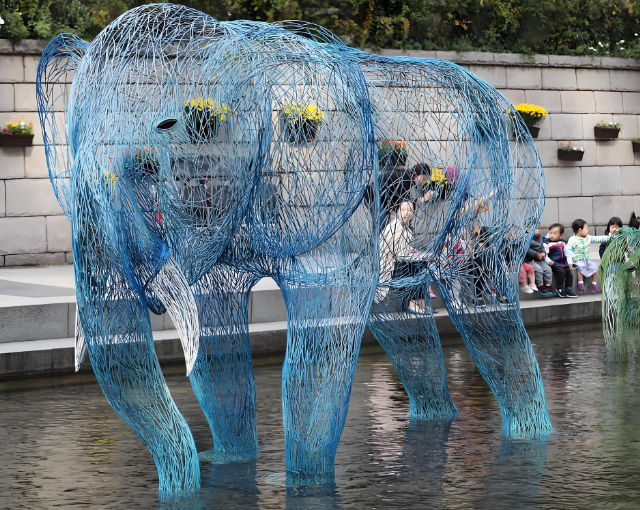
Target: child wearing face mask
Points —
{"points": [[561, 261], [580, 246]]}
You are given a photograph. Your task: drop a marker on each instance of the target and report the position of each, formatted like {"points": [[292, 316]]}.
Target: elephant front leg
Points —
{"points": [[222, 377], [325, 327], [501, 349], [120, 346], [413, 346]]}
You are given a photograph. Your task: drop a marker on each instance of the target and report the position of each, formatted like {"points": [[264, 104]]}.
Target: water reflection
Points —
{"points": [[64, 447]]}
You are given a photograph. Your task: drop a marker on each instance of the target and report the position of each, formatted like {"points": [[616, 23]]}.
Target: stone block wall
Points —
{"points": [[577, 92], [33, 230]]}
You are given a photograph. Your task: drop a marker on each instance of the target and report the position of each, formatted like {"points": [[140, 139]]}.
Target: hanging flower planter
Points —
{"points": [[392, 154], [570, 152], [301, 124], [607, 131], [17, 134], [635, 143], [298, 131], [531, 114], [205, 119]]}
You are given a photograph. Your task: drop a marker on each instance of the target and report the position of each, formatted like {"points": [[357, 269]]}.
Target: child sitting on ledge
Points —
{"points": [[580, 246], [561, 261]]}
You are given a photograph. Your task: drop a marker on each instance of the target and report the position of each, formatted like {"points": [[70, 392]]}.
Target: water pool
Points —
{"points": [[62, 446]]}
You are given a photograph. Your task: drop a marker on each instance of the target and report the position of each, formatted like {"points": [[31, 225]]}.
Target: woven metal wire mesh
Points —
{"points": [[621, 294], [195, 157]]}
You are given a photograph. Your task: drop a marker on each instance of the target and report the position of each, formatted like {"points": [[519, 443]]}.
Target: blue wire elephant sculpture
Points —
{"points": [[195, 157]]}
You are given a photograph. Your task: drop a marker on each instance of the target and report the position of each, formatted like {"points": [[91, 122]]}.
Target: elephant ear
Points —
{"points": [[58, 63]]}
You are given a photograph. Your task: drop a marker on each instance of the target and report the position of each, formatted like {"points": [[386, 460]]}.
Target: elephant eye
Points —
{"points": [[166, 124]]}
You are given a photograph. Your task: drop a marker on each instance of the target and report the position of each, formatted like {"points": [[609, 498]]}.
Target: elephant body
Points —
{"points": [[200, 156]]}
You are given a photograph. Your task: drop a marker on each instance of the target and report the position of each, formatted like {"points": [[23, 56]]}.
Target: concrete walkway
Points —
{"points": [[37, 320]]}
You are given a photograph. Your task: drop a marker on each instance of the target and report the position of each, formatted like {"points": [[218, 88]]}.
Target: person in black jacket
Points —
{"points": [[537, 257], [614, 224]]}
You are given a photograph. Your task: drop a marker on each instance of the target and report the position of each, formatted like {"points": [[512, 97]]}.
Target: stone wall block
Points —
{"points": [[2, 203], [514, 96], [25, 97], [566, 126], [30, 46], [35, 163], [631, 102], [421, 54], [579, 101], [616, 62], [548, 153], [545, 129], [548, 99], [575, 207], [593, 79], [629, 126], [12, 68], [11, 162], [471, 57], [23, 235], [31, 68], [636, 208], [58, 234], [590, 120], [6, 98], [6, 46], [550, 214], [451, 56], [617, 152], [563, 182], [493, 75], [31, 197], [35, 259], [631, 180], [570, 61], [524, 78], [609, 102], [601, 180], [625, 80], [559, 79], [604, 207]]}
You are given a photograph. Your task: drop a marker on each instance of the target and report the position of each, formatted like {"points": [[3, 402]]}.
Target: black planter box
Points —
{"points": [[572, 155], [16, 140], [392, 159], [606, 133], [534, 130], [300, 131], [636, 146]]}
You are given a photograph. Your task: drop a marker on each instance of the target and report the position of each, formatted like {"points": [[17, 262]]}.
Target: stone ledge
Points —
{"points": [[515, 59], [36, 47]]}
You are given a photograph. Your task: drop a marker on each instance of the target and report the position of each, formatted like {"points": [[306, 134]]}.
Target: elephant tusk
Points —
{"points": [[80, 344], [172, 289]]}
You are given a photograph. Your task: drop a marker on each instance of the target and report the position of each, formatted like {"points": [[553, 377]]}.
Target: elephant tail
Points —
{"points": [[60, 59]]}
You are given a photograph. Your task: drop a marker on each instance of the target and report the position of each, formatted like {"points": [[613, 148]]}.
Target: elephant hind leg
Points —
{"points": [[123, 358], [412, 344]]}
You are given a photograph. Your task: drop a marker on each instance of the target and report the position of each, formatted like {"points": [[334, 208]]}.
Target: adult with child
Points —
{"points": [[580, 246], [537, 257], [561, 261]]}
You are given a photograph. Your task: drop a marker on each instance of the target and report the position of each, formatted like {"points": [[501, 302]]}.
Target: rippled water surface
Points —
{"points": [[62, 446]]}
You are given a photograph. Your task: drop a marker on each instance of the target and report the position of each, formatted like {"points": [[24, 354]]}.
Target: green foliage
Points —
{"points": [[569, 27]]}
